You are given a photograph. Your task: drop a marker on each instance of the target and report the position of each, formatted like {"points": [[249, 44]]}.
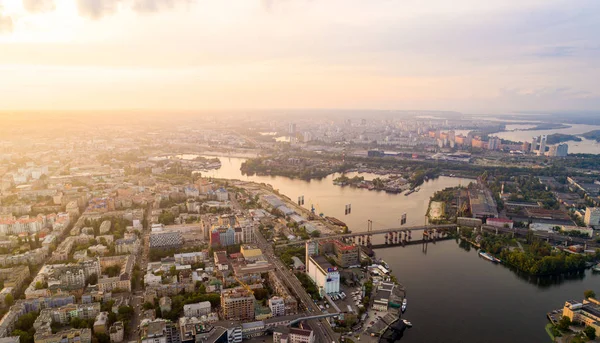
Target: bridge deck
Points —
{"points": [[377, 232]]}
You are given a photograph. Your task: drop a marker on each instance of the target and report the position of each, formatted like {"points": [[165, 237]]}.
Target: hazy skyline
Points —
{"points": [[465, 55]]}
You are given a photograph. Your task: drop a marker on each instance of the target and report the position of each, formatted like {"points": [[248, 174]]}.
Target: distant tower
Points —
{"points": [[533, 147], [543, 140]]}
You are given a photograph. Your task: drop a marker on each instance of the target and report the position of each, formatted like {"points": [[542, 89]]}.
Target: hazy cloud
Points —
{"points": [[156, 5], [557, 51], [6, 24], [96, 9], [39, 6]]}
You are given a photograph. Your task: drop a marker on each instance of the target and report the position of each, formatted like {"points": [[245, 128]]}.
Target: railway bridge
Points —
{"points": [[391, 235]]}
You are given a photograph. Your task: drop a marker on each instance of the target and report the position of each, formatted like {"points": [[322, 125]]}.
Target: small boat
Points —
{"points": [[488, 257], [409, 324], [596, 268], [385, 265], [403, 305], [409, 192]]}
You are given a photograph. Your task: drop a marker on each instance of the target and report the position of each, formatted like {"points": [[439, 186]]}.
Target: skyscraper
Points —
{"points": [[534, 143], [494, 143], [562, 150], [542, 150]]}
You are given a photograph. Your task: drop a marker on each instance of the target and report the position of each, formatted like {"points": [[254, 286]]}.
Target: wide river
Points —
{"points": [[453, 295], [519, 133]]}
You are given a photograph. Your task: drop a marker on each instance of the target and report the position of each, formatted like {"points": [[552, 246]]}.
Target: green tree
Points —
{"points": [[590, 332], [92, 279], [589, 294], [102, 337], [9, 300], [76, 323], [24, 336], [564, 323]]}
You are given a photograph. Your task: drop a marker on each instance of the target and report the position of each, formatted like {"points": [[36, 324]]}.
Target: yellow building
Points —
{"points": [[250, 251], [586, 312]]}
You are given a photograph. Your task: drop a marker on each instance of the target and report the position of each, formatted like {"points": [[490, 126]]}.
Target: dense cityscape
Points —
{"points": [[298, 171], [127, 232]]}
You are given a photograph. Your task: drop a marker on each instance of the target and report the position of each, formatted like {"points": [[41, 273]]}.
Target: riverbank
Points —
{"points": [[444, 277]]}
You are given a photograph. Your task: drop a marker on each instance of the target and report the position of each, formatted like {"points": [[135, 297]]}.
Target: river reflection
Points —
{"points": [[454, 296]]}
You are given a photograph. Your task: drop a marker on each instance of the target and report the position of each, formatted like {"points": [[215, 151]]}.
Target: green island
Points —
{"points": [[548, 126], [344, 180], [595, 135], [531, 256], [556, 138]]}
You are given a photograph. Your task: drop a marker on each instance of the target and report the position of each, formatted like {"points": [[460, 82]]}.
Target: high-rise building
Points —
{"points": [[542, 150], [562, 150], [534, 143], [223, 236], [237, 304], [494, 143], [592, 216], [292, 128]]}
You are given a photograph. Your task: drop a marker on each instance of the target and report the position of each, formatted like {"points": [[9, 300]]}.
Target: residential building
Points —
{"points": [[197, 310], [283, 334], [165, 304], [190, 257], [494, 143], [542, 150], [592, 216], [222, 194], [237, 304], [222, 236], [116, 332], [159, 331], [127, 246], [101, 323], [66, 336], [277, 306]]}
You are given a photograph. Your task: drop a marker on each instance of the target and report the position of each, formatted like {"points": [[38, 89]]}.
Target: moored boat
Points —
{"points": [[488, 257], [403, 305]]}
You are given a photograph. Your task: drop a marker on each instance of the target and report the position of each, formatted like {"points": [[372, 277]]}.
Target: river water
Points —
{"points": [[453, 294], [586, 146]]}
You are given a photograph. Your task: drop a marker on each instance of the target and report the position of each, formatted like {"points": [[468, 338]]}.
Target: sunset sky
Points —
{"points": [[464, 55]]}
